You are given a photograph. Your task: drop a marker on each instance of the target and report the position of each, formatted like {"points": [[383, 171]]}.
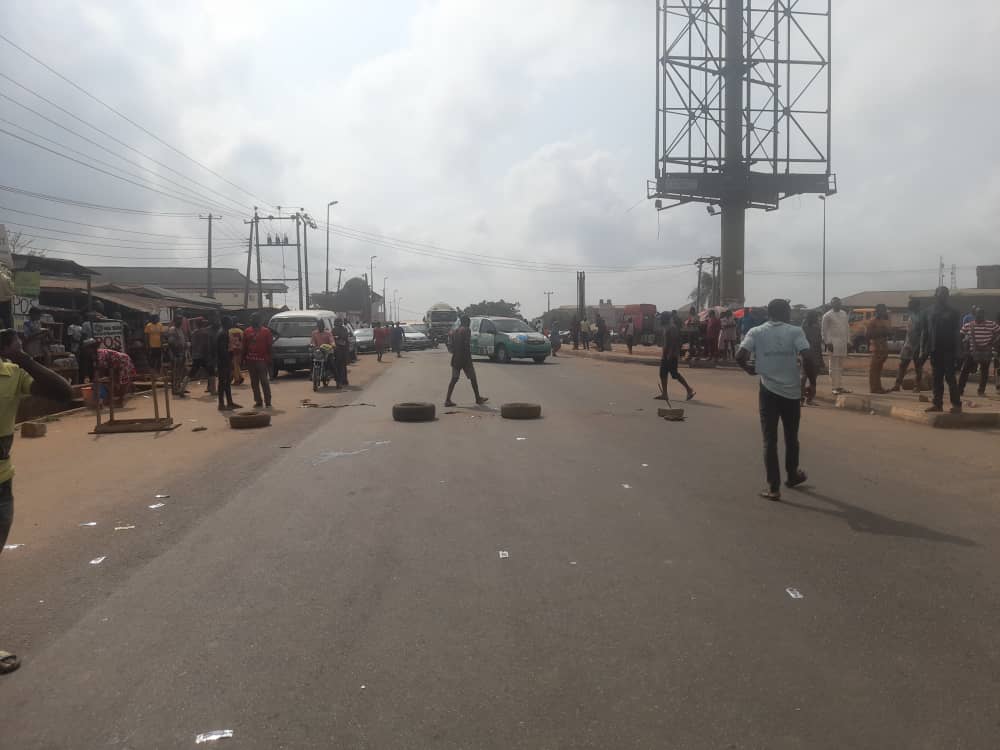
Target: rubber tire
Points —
{"points": [[520, 411], [540, 360], [414, 412], [501, 355], [246, 420], [316, 380]]}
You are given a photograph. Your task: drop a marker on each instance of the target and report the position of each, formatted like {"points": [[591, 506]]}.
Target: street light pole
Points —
{"points": [[823, 198], [328, 205]]}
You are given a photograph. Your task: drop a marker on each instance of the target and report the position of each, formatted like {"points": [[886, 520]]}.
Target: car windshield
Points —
{"points": [[294, 327], [511, 325], [443, 316], [412, 329], [364, 333]]}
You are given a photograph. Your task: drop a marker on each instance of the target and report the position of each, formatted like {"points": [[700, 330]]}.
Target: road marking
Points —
{"points": [[98, 560], [794, 593], [504, 554]]}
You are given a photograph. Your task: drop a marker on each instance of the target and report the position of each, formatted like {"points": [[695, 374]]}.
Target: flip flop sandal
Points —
{"points": [[8, 662], [768, 494], [691, 395]]}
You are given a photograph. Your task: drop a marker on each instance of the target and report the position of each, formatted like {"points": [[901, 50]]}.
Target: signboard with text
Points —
{"points": [[110, 334], [19, 307]]}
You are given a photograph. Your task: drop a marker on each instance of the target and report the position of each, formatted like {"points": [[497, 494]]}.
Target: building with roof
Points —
{"points": [[228, 284]]}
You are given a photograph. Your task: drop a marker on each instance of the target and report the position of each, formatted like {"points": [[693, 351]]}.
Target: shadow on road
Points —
{"points": [[869, 522]]}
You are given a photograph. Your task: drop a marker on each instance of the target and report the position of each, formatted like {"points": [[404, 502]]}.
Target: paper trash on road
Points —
{"points": [[794, 593], [626, 486], [89, 523], [161, 497], [156, 506], [98, 560], [504, 554], [13, 546], [322, 458], [123, 528], [645, 466], [218, 734], [520, 438]]}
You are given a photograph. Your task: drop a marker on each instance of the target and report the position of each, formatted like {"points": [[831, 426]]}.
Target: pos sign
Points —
{"points": [[110, 334]]}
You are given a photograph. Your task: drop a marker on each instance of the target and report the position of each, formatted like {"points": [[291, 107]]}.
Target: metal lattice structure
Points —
{"points": [[743, 105]]}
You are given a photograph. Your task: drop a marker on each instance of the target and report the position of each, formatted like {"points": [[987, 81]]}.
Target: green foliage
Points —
{"points": [[500, 309]]}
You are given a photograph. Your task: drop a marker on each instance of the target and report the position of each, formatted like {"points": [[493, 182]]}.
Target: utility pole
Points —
{"points": [[340, 273], [307, 223], [328, 205], [368, 289], [371, 284], [253, 231], [209, 291], [260, 284], [384, 279], [298, 255], [548, 298], [941, 270], [697, 300]]}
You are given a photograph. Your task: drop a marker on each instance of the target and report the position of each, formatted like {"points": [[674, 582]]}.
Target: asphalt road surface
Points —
{"points": [[349, 592]]}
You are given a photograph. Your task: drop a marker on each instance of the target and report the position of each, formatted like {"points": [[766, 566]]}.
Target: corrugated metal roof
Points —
{"points": [[891, 299], [173, 277]]}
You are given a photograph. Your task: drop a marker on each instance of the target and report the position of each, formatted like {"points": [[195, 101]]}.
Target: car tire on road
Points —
{"points": [[520, 411], [246, 420], [539, 360], [414, 412], [501, 355]]}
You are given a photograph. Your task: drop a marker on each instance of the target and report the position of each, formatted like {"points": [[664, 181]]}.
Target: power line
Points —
{"points": [[97, 206], [101, 244], [99, 226], [91, 141], [127, 119], [132, 257], [115, 239]]}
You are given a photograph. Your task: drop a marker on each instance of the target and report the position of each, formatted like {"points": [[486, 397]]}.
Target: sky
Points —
{"points": [[519, 131]]}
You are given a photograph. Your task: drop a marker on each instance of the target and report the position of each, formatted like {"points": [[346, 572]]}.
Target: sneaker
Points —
{"points": [[955, 409], [933, 409], [449, 404], [799, 478], [481, 401]]}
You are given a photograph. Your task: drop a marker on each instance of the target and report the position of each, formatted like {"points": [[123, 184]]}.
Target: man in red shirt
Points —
{"points": [[257, 341], [381, 335]]}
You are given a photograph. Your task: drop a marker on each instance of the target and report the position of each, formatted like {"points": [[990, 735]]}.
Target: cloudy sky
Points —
{"points": [[517, 130]]}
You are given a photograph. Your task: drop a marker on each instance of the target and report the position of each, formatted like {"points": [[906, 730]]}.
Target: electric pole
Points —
{"points": [[328, 205], [340, 273], [209, 292], [307, 223], [298, 255], [371, 284], [548, 298], [253, 231]]}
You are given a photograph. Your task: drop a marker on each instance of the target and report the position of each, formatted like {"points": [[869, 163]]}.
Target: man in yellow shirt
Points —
{"points": [[20, 376], [154, 343]]}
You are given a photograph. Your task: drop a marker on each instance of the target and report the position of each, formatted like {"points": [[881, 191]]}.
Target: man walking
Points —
{"points": [[878, 332], [20, 376], [236, 352], [341, 345], [224, 366], [154, 343], [461, 361], [574, 332], [777, 346], [177, 343], [397, 339], [713, 329], [380, 335], [941, 342], [836, 331], [203, 354], [630, 334], [671, 358], [911, 349], [257, 343], [979, 336]]}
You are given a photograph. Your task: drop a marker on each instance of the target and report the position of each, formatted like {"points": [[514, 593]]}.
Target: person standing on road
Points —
{"points": [[461, 361], [671, 358], [236, 352], [257, 345], [713, 328], [602, 334], [380, 334], [941, 342], [177, 344], [203, 354], [811, 328], [224, 366], [836, 331], [585, 334], [777, 347], [979, 337], [911, 349], [996, 357], [20, 376], [728, 336], [341, 345], [630, 334], [574, 332], [154, 343], [397, 339], [878, 333], [555, 338]]}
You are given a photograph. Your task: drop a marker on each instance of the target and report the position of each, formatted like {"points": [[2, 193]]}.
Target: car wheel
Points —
{"points": [[539, 360], [501, 354], [245, 420], [413, 412], [520, 411]]}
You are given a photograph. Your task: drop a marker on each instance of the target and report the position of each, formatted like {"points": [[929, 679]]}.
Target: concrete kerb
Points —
{"points": [[915, 415]]}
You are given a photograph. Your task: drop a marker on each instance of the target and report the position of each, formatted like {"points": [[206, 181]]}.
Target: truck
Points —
{"points": [[647, 326], [439, 319]]}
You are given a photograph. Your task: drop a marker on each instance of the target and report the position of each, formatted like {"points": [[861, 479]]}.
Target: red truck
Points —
{"points": [[646, 324]]}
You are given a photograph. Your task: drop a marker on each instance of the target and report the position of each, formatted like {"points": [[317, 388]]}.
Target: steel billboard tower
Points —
{"points": [[743, 95]]}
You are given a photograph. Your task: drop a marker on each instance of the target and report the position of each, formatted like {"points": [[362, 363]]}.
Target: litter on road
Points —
{"points": [[13, 546], [161, 497], [98, 560], [89, 523], [218, 734], [156, 506], [794, 593], [645, 466], [504, 554], [123, 528], [520, 438], [322, 458], [626, 486]]}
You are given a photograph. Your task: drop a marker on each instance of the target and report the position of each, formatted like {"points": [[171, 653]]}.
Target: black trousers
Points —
{"points": [[969, 367], [943, 369], [225, 386], [6, 510], [789, 411]]}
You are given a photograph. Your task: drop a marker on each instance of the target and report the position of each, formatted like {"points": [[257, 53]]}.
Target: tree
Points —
{"points": [[21, 244], [500, 309], [706, 291]]}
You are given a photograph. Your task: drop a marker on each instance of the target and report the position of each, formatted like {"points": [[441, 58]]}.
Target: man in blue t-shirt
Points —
{"points": [[777, 347]]}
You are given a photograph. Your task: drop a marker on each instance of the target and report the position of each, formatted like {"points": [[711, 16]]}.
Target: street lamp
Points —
{"points": [[328, 206], [823, 198]]}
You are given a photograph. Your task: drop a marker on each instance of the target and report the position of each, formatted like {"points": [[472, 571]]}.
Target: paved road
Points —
{"points": [[350, 593]]}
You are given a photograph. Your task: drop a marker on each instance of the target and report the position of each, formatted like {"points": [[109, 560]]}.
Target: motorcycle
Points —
{"points": [[321, 368]]}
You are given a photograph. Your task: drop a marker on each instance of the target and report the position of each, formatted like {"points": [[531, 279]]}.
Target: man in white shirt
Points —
{"points": [[777, 347], [836, 331]]}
